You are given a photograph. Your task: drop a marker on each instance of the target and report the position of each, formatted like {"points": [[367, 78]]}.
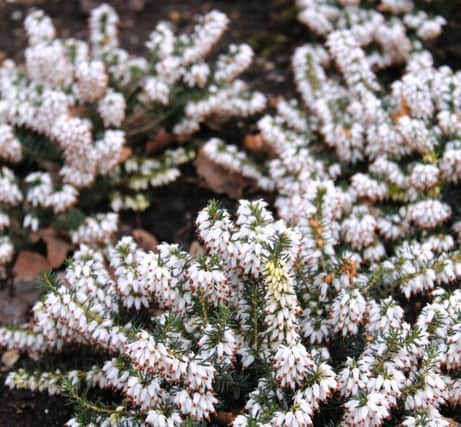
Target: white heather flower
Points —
{"points": [[375, 252], [392, 227], [236, 161], [157, 90], [157, 419], [429, 390], [299, 417], [222, 351], [366, 187], [322, 384], [452, 358], [454, 396], [103, 29], [111, 108], [389, 171], [157, 278], [384, 315], [63, 199], [231, 65], [211, 284], [10, 147], [351, 59], [424, 177], [347, 312], [281, 305], [353, 377], [291, 365], [429, 213], [429, 418], [450, 163], [40, 188], [48, 64], [359, 228], [161, 40], [208, 31], [197, 75], [6, 250], [416, 93], [416, 134], [10, 193], [39, 27], [91, 80], [196, 405], [99, 228], [367, 410], [109, 149], [440, 243], [142, 393]]}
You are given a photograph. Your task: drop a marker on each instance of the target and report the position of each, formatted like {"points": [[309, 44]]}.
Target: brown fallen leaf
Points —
{"points": [[196, 249], [161, 140], [56, 250], [220, 179], [145, 240], [174, 16], [225, 418], [77, 111], [134, 119], [254, 143], [14, 309], [125, 154], [10, 357], [28, 264], [258, 145], [403, 111], [34, 356], [345, 132], [34, 236]]}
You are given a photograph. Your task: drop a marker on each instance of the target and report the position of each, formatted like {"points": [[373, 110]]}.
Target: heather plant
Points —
{"points": [[175, 87], [268, 323], [77, 122], [393, 26], [328, 116], [367, 168], [388, 149], [345, 311]]}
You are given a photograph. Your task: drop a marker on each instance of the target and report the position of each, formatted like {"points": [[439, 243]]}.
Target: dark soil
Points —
{"points": [[26, 409], [269, 26]]}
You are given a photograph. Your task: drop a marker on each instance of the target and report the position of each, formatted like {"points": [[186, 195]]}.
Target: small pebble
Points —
{"points": [[16, 15]]}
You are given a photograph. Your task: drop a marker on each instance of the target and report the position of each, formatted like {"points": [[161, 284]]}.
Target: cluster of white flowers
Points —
{"points": [[135, 177], [367, 236], [61, 79], [407, 137], [49, 143], [175, 80], [99, 228], [254, 305], [349, 300], [236, 161], [77, 110]]}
